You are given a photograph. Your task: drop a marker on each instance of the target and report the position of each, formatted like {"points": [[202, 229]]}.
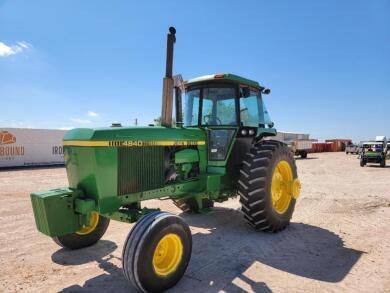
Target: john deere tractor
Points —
{"points": [[214, 152]]}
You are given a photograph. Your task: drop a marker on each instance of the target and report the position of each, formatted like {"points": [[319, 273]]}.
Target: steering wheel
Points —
{"points": [[210, 117]]}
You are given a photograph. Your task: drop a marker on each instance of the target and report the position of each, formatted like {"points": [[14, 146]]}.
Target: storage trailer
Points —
{"points": [[31, 147]]}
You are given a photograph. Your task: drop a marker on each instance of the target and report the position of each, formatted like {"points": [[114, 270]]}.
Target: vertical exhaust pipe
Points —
{"points": [[168, 82]]}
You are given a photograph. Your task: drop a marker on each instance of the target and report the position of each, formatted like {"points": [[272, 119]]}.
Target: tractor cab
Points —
{"points": [[227, 106], [225, 100]]}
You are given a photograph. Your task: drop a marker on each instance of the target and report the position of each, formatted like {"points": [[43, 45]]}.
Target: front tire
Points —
{"points": [[362, 163], [156, 252], [383, 162], [87, 235], [268, 186]]}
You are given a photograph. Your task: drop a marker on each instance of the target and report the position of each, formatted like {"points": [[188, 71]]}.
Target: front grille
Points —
{"points": [[140, 169]]}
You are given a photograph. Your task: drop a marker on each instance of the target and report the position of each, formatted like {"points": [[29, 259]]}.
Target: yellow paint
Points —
{"points": [[167, 255], [283, 187], [86, 143], [296, 188], [131, 143], [93, 222]]}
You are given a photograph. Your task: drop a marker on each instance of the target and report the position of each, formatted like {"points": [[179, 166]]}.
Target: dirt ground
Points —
{"points": [[338, 240]]}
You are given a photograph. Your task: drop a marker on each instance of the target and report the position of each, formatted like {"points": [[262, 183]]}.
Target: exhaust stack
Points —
{"points": [[168, 82]]}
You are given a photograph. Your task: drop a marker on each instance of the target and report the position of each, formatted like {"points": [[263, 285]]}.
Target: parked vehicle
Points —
{"points": [[352, 149], [374, 152], [301, 147]]}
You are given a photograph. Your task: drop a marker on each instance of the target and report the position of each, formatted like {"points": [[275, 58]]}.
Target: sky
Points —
{"points": [[66, 64]]}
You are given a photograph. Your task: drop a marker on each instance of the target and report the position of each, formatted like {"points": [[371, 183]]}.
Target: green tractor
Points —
{"points": [[214, 152], [374, 152]]}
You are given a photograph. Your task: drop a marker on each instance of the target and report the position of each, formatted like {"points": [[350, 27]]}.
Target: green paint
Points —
{"points": [[113, 170], [186, 156], [54, 213], [227, 77]]}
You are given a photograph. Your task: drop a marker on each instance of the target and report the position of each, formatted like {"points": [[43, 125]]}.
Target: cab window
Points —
{"points": [[191, 106], [249, 107], [219, 106]]}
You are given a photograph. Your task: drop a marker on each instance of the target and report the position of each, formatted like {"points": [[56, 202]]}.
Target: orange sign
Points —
{"points": [[7, 138]]}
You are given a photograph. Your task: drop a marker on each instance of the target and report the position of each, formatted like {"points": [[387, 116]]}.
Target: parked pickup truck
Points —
{"points": [[352, 149]]}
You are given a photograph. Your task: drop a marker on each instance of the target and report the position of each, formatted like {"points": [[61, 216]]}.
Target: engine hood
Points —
{"points": [[129, 136]]}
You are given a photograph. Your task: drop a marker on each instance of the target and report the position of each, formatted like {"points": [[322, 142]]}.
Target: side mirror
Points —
{"points": [[266, 91]]}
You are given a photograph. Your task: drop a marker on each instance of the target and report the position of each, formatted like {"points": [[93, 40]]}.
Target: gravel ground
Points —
{"points": [[338, 240]]}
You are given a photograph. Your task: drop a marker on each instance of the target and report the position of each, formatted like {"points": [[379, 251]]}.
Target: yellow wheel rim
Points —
{"points": [[283, 187], [167, 255], [93, 221]]}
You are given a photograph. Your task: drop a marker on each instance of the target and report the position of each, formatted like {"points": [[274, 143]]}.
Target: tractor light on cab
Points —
{"points": [[244, 132], [251, 132], [219, 75]]}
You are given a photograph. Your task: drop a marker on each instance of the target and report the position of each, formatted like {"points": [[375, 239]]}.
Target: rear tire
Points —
{"points": [[156, 252], [191, 205], [261, 169], [82, 239], [304, 155]]}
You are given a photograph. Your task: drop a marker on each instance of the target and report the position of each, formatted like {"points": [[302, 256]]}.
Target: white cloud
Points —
{"points": [[66, 128], [81, 121], [92, 114], [6, 50]]}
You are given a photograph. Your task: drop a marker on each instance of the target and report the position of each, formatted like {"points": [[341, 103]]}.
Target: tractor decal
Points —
{"points": [[133, 143]]}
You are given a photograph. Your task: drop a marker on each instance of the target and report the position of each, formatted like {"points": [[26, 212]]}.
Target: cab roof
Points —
{"points": [[224, 77]]}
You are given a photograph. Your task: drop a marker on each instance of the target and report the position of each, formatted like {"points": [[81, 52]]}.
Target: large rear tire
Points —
{"points": [[268, 186], [87, 235], [156, 252], [191, 205]]}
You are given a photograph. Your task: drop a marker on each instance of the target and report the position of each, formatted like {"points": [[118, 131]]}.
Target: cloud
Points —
{"points": [[81, 121], [6, 50], [66, 128], [92, 114]]}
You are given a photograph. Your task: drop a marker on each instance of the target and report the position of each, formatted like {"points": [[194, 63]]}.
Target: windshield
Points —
{"points": [[218, 106], [373, 147]]}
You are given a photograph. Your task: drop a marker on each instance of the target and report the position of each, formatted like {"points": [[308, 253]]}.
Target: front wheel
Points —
{"points": [[383, 162], [156, 252], [362, 163], [87, 235], [268, 186]]}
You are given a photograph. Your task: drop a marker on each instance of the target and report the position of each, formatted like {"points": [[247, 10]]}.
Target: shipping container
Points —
{"points": [[339, 144], [320, 147], [30, 147]]}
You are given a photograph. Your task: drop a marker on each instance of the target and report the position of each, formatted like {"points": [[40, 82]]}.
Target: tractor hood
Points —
{"points": [[134, 136]]}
